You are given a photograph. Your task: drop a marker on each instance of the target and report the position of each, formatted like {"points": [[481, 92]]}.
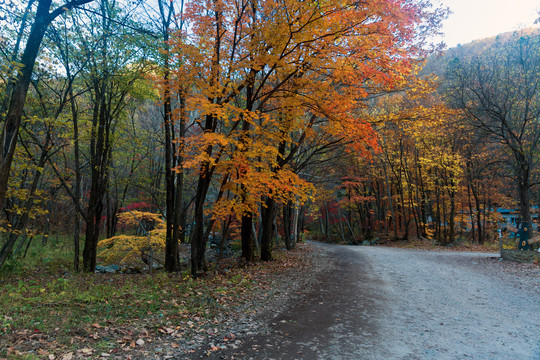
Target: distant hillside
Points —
{"points": [[437, 64]]}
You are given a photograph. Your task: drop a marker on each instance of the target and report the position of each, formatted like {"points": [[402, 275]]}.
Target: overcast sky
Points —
{"points": [[477, 19]]}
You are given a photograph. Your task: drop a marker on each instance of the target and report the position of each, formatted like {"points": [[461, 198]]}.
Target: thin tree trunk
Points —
{"points": [[77, 198], [267, 216], [198, 241], [99, 161], [178, 226], [295, 225], [247, 237], [452, 222], [171, 244], [478, 215]]}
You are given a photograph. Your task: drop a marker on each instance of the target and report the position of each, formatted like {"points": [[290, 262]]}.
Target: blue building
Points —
{"points": [[510, 217]]}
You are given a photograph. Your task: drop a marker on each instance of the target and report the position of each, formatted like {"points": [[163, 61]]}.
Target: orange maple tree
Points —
{"points": [[260, 74]]}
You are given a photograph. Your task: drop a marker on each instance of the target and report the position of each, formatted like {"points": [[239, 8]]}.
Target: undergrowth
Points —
{"points": [[94, 310]]}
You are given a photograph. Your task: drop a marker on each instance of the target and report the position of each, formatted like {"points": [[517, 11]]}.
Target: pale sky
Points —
{"points": [[478, 19]]}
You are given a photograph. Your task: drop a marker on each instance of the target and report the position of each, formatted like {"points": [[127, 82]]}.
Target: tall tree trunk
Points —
{"points": [[179, 215], [247, 237], [444, 238], [267, 216], [437, 212], [77, 187], [20, 85], [100, 153], [451, 220], [469, 191], [296, 212], [423, 198], [247, 218], [326, 223], [389, 193], [171, 244], [112, 212], [524, 197], [478, 214], [198, 241], [94, 213], [12, 120], [287, 225], [14, 55]]}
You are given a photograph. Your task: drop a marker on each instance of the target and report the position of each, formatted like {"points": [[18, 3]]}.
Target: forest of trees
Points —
{"points": [[133, 127]]}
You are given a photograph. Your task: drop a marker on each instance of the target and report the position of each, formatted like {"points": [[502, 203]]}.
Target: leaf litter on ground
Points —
{"points": [[134, 316]]}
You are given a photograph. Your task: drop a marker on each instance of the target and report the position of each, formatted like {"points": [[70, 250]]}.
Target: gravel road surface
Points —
{"points": [[387, 303], [450, 305]]}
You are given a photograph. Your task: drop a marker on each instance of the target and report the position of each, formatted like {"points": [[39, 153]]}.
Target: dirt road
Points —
{"points": [[385, 303]]}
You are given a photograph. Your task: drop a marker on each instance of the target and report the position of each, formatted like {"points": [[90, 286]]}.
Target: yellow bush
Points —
{"points": [[133, 248]]}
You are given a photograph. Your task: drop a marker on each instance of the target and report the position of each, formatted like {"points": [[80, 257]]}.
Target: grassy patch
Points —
{"points": [[59, 312], [56, 256], [77, 300], [80, 306]]}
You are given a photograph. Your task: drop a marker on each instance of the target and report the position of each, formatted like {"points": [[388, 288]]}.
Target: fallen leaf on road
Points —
{"points": [[166, 330]]}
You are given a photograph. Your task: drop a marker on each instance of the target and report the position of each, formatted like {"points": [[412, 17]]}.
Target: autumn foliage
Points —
{"points": [[147, 240], [264, 78], [231, 116]]}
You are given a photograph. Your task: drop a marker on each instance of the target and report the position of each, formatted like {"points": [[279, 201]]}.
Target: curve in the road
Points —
{"points": [[385, 303]]}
